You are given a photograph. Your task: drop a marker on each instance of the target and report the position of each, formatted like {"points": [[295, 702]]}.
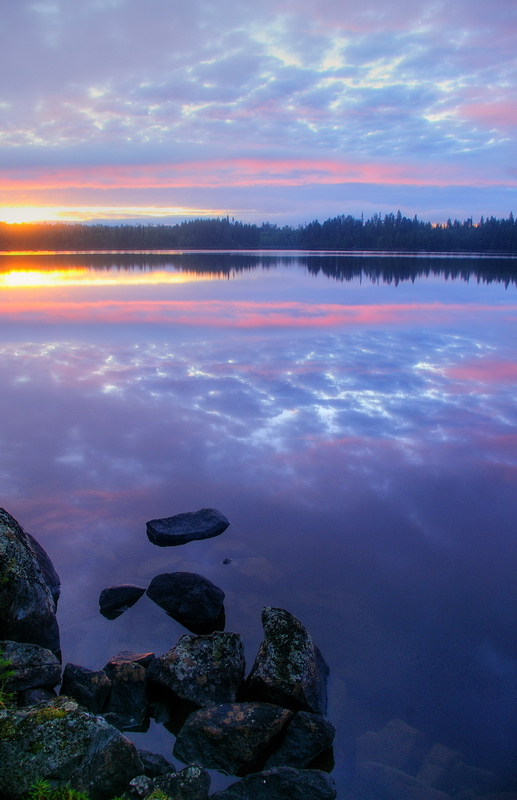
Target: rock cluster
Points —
{"points": [[268, 728]]}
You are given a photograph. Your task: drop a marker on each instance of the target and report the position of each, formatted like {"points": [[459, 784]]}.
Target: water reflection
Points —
{"points": [[367, 464]]}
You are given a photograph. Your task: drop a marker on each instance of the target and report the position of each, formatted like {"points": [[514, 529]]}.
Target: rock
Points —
{"points": [[289, 669], [114, 600], [183, 528], [127, 703], [88, 687], [154, 764], [380, 782], [397, 745], [31, 697], [59, 742], [464, 781], [307, 735], [190, 599], [202, 670], [34, 666], [233, 737], [30, 588], [191, 783], [437, 765], [281, 783]]}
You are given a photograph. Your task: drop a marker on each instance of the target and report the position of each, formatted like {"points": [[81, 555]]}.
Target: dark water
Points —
{"points": [[356, 420]]}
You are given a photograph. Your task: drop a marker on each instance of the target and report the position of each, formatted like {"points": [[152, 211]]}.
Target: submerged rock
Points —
{"points": [[281, 783], [233, 737], [114, 600], [30, 588], [307, 735], [59, 742], [33, 666], [380, 782], [90, 688], [183, 528], [190, 599], [397, 745], [289, 669], [202, 670]]}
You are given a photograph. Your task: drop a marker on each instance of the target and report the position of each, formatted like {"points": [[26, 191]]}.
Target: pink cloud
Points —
{"points": [[235, 314], [247, 172], [485, 371]]}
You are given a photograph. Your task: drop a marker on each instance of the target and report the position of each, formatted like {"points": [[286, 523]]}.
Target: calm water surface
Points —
{"points": [[356, 420]]}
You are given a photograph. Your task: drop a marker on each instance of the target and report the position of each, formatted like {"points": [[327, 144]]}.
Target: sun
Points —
{"points": [[85, 214]]}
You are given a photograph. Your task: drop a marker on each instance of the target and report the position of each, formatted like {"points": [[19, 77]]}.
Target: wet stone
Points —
{"points": [[307, 735], [88, 687], [281, 783], [127, 706], [190, 599], [186, 527], [114, 600]]}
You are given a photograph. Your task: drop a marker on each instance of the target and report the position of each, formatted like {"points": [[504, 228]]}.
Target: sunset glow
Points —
{"points": [[285, 111]]}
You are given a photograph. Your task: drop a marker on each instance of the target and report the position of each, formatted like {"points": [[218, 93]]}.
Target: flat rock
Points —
{"points": [[186, 527], [114, 600], [202, 670], [58, 742], [190, 599], [90, 688], [289, 669], [281, 783], [33, 666], [30, 588], [306, 736], [233, 737]]}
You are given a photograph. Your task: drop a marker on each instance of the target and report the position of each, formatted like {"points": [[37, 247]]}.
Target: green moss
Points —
{"points": [[42, 790], [47, 714], [6, 698], [7, 729]]}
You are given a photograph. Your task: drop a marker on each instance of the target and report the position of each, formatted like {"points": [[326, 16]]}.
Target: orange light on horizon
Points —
{"points": [[25, 214], [23, 279]]}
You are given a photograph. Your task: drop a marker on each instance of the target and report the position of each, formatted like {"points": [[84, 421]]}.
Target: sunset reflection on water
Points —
{"points": [[360, 436]]}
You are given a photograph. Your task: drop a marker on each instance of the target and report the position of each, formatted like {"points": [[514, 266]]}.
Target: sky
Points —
{"points": [[283, 110]]}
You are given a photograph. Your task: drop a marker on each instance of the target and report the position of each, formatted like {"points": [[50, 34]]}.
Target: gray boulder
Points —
{"points": [[202, 670], [289, 670], [190, 599], [281, 783], [155, 764], [90, 688], [58, 742], [183, 528], [30, 588], [307, 735], [33, 666], [233, 737], [114, 600]]}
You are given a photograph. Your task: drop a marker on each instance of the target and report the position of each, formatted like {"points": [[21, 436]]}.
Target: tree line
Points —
{"points": [[391, 232]]}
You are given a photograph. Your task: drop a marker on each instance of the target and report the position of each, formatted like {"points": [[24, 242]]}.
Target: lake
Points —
{"points": [[355, 418]]}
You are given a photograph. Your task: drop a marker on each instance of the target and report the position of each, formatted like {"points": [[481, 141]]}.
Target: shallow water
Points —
{"points": [[354, 418]]}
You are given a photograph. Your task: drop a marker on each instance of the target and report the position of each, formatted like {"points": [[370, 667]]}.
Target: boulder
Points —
{"points": [[190, 783], [289, 669], [127, 703], [155, 764], [183, 528], [57, 741], [114, 600], [306, 736], [30, 588], [193, 601], [33, 666], [281, 783], [380, 782], [90, 688], [201, 670], [397, 745], [234, 737]]}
